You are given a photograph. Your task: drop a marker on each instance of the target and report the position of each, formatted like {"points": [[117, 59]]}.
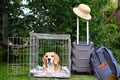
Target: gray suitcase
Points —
{"points": [[80, 56]]}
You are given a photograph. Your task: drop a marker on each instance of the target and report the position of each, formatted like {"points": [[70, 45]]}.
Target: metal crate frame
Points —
{"points": [[38, 40]]}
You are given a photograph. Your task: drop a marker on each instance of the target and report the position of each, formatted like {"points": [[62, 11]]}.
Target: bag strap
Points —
{"points": [[100, 55], [97, 54], [109, 61], [90, 70]]}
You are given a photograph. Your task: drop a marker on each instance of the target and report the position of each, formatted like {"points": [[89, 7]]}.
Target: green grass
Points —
{"points": [[3, 71], [5, 76]]}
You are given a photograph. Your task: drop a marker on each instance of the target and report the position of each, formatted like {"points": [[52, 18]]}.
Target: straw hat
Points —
{"points": [[83, 11]]}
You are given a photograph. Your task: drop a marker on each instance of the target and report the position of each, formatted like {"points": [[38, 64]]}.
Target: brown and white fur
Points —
{"points": [[51, 62]]}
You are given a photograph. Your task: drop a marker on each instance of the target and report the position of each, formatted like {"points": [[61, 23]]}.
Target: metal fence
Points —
{"points": [[18, 57]]}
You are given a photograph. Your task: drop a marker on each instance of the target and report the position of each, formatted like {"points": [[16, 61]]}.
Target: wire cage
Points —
{"points": [[42, 43], [18, 57]]}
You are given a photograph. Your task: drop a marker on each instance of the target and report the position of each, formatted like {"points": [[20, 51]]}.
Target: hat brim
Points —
{"points": [[81, 14]]}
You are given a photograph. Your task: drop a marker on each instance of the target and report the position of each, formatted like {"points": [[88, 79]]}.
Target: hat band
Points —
{"points": [[83, 10], [81, 13]]}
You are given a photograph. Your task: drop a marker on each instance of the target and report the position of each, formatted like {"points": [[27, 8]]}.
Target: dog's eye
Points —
{"points": [[52, 56], [46, 56]]}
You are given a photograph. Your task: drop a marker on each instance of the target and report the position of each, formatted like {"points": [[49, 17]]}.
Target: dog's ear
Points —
{"points": [[44, 58], [56, 58]]}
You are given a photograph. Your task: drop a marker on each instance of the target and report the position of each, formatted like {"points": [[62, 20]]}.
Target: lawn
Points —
{"points": [[4, 76]]}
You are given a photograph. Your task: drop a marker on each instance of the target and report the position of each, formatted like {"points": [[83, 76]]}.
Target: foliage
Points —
{"points": [[56, 16], [50, 16], [109, 33]]}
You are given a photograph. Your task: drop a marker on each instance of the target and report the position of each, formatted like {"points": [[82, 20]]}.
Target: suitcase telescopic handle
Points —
{"points": [[87, 31]]}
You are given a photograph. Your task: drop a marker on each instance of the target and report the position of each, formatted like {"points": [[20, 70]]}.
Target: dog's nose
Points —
{"points": [[49, 59]]}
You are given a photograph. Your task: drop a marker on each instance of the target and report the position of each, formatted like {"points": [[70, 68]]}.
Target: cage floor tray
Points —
{"points": [[38, 72]]}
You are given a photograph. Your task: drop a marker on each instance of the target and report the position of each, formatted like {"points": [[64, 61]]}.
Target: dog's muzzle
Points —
{"points": [[49, 60]]}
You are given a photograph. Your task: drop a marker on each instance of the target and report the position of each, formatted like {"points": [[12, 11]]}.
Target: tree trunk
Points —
{"points": [[5, 27]]}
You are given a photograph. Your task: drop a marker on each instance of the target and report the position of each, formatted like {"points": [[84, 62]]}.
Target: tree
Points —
{"points": [[47, 16], [56, 16]]}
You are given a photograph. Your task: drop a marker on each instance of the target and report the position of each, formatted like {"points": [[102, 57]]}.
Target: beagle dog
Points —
{"points": [[51, 62]]}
